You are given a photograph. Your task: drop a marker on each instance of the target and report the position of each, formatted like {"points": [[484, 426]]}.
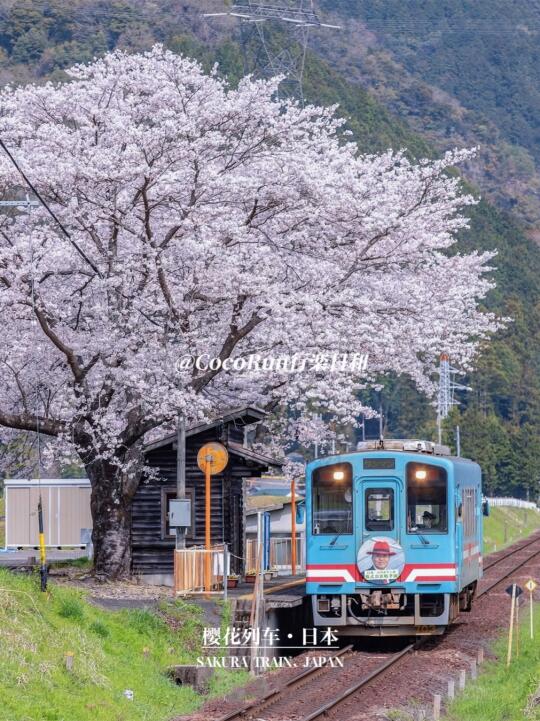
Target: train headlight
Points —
{"points": [[339, 475], [420, 474]]}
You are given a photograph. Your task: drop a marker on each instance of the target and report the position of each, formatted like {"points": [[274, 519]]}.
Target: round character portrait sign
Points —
{"points": [[380, 560]]}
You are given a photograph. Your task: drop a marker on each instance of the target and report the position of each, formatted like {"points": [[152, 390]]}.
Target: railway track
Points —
{"points": [[310, 674], [361, 669], [512, 551], [491, 585]]}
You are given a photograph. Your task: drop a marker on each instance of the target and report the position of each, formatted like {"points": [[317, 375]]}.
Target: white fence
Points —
{"points": [[280, 554], [516, 502]]}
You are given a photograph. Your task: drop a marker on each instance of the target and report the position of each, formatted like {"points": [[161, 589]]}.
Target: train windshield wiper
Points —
{"points": [[421, 537]]}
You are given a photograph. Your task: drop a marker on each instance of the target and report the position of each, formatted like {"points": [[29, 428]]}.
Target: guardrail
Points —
{"points": [[515, 502]]}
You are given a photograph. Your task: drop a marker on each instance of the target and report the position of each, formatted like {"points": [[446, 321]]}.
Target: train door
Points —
{"points": [[379, 524], [459, 531]]}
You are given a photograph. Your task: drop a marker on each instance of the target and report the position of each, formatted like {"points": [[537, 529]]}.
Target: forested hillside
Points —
{"points": [[500, 418], [463, 73]]}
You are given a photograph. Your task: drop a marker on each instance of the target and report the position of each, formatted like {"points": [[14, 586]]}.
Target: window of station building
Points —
{"points": [[427, 504], [332, 499], [379, 504]]}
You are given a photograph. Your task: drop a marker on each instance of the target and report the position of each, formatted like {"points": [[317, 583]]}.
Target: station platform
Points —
{"points": [[279, 592]]}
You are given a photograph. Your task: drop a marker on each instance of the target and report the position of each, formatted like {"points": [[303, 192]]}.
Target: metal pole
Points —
{"points": [[181, 473], [293, 527], [458, 441], [42, 551], [207, 526], [532, 606], [225, 570], [517, 626], [511, 629]]}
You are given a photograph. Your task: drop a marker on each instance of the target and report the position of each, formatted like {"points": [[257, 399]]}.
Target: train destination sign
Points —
{"points": [[372, 464]]}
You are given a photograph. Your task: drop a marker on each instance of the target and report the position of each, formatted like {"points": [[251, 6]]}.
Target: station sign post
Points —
{"points": [[211, 459], [530, 586], [514, 591]]}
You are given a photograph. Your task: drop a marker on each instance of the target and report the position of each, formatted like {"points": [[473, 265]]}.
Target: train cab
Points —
{"points": [[394, 536]]}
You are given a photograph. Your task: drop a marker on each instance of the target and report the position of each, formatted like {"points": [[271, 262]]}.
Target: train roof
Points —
{"points": [[396, 445], [412, 445]]}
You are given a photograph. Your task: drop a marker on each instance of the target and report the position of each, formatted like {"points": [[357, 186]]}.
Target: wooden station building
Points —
{"points": [[152, 539]]}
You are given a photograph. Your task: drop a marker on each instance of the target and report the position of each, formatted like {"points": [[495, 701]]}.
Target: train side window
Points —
{"points": [[427, 506], [332, 499], [379, 509]]}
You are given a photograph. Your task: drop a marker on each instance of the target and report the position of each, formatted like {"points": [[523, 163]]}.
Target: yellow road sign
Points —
{"points": [[531, 585], [215, 455]]}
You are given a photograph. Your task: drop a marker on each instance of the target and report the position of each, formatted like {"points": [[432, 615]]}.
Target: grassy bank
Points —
{"points": [[505, 525], [113, 651], [505, 694]]}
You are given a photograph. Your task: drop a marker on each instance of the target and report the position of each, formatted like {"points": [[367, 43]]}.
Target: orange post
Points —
{"points": [[211, 458], [207, 526], [293, 527]]}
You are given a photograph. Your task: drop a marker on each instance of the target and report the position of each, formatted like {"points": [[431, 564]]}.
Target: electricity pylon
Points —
{"points": [[274, 37], [447, 385]]}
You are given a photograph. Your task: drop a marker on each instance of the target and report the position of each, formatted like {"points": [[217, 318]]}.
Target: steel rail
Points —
{"points": [[495, 561], [509, 573], [275, 694], [360, 684]]}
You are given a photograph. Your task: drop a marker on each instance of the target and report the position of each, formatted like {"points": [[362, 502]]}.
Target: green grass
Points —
{"points": [[81, 564], [505, 694], [519, 523], [113, 651]]}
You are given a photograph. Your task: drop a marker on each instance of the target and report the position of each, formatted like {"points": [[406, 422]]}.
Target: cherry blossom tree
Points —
{"points": [[202, 219]]}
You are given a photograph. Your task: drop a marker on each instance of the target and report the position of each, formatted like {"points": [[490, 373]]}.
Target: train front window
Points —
{"points": [[427, 506], [332, 499], [379, 509]]}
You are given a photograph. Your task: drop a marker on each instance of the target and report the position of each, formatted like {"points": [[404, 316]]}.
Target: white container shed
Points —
{"points": [[66, 511]]}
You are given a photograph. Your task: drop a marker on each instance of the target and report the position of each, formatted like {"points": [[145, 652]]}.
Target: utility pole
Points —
{"points": [[180, 474], [458, 441], [268, 54]]}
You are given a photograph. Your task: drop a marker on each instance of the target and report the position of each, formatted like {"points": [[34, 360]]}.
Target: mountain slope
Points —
{"points": [[463, 73]]}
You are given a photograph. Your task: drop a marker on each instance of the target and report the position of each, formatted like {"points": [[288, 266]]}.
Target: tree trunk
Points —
{"points": [[111, 502]]}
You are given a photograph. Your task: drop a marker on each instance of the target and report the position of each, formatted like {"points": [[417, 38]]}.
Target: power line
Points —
{"points": [[262, 58], [48, 208]]}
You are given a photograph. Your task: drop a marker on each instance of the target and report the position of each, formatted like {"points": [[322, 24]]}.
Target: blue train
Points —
{"points": [[394, 538]]}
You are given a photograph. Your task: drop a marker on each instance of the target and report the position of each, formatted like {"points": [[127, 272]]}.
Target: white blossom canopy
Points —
{"points": [[204, 219]]}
